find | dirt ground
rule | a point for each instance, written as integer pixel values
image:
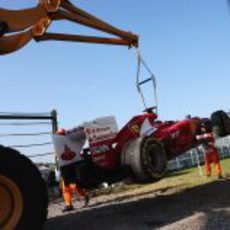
(205, 206)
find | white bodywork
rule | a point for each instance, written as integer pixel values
(100, 129)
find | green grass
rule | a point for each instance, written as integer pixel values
(172, 183)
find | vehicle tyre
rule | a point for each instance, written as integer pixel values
(24, 197)
(147, 158)
(220, 124)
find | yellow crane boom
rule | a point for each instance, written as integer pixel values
(19, 27)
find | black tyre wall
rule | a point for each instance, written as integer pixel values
(220, 123)
(27, 177)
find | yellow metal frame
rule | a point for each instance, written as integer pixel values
(32, 24)
(11, 204)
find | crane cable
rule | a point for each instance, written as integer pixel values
(41, 155)
(141, 62)
(30, 145)
(24, 123)
(24, 134)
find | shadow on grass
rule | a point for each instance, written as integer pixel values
(137, 196)
(152, 213)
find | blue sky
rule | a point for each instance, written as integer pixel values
(186, 44)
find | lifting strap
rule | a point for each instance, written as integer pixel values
(142, 64)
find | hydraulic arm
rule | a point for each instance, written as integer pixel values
(19, 27)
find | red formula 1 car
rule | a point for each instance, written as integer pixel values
(140, 149)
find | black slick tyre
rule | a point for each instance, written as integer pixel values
(220, 124)
(147, 158)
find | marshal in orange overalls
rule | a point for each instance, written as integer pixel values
(211, 153)
(69, 185)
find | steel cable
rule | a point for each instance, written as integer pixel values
(30, 145)
(25, 134)
(25, 124)
(140, 61)
(41, 155)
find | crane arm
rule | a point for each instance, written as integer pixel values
(83, 39)
(33, 23)
(14, 42)
(18, 20)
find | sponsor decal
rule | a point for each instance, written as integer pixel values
(101, 129)
(175, 134)
(135, 128)
(68, 154)
(100, 149)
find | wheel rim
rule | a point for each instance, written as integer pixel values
(11, 204)
(154, 156)
(155, 163)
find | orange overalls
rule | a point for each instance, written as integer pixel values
(66, 191)
(69, 185)
(211, 154)
(69, 177)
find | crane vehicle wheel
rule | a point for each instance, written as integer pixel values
(23, 193)
(147, 158)
(220, 124)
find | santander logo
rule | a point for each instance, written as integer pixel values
(68, 154)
